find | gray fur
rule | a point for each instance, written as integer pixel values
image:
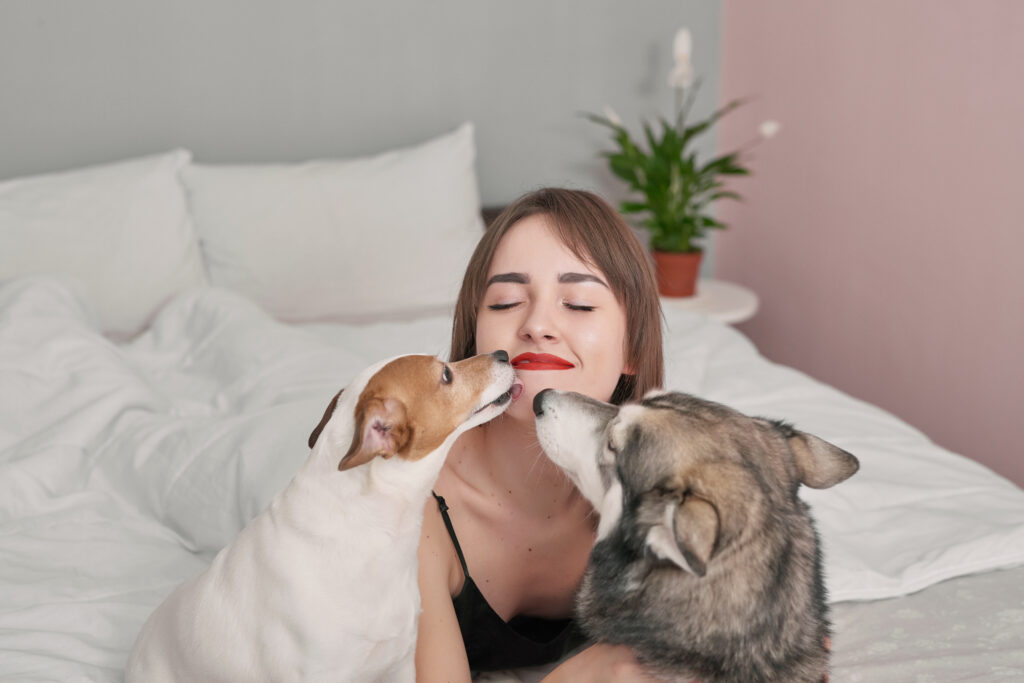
(741, 596)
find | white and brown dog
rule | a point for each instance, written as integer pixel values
(323, 584)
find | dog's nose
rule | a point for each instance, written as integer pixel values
(538, 402)
(502, 356)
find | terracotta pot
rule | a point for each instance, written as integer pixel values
(677, 272)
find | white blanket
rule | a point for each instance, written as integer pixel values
(123, 468)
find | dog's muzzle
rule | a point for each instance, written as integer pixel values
(501, 357)
(538, 402)
(500, 401)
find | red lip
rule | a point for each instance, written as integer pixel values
(540, 361)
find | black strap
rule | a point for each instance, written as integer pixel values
(443, 507)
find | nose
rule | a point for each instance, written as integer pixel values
(501, 356)
(538, 325)
(538, 402)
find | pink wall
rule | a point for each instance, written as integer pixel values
(884, 226)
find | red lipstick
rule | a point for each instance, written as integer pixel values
(540, 361)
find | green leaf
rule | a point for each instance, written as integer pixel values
(652, 142)
(727, 164)
(633, 207)
(623, 167)
(672, 187)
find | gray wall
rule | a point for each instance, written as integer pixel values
(260, 80)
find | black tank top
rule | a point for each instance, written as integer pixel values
(492, 643)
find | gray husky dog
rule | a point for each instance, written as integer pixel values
(706, 561)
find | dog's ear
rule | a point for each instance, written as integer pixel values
(686, 535)
(324, 420)
(819, 463)
(382, 429)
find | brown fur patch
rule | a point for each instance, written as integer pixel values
(432, 409)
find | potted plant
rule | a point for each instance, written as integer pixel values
(677, 190)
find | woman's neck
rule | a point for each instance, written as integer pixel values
(504, 458)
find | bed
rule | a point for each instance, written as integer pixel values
(171, 331)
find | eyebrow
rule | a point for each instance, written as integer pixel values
(565, 278)
(517, 278)
(581, 277)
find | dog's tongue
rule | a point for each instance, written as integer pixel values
(516, 390)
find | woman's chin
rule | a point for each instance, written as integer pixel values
(522, 408)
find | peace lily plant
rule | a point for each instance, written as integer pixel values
(677, 190)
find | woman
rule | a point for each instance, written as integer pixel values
(560, 282)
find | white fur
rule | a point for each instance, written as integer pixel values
(661, 539)
(321, 586)
(581, 463)
(610, 509)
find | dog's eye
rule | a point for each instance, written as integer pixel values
(611, 447)
(446, 375)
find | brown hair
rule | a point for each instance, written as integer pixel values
(597, 235)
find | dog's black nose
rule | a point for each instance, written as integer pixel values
(538, 402)
(502, 356)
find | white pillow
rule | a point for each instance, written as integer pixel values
(344, 239)
(121, 230)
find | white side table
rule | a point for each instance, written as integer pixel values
(723, 301)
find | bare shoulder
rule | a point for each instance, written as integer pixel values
(438, 562)
(440, 652)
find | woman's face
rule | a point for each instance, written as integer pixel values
(555, 315)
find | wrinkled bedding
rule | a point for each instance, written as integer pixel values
(125, 467)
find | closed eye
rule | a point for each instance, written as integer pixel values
(572, 307)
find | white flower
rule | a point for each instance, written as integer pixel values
(682, 47)
(682, 71)
(610, 114)
(768, 129)
(681, 76)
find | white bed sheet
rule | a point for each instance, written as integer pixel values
(965, 628)
(123, 468)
